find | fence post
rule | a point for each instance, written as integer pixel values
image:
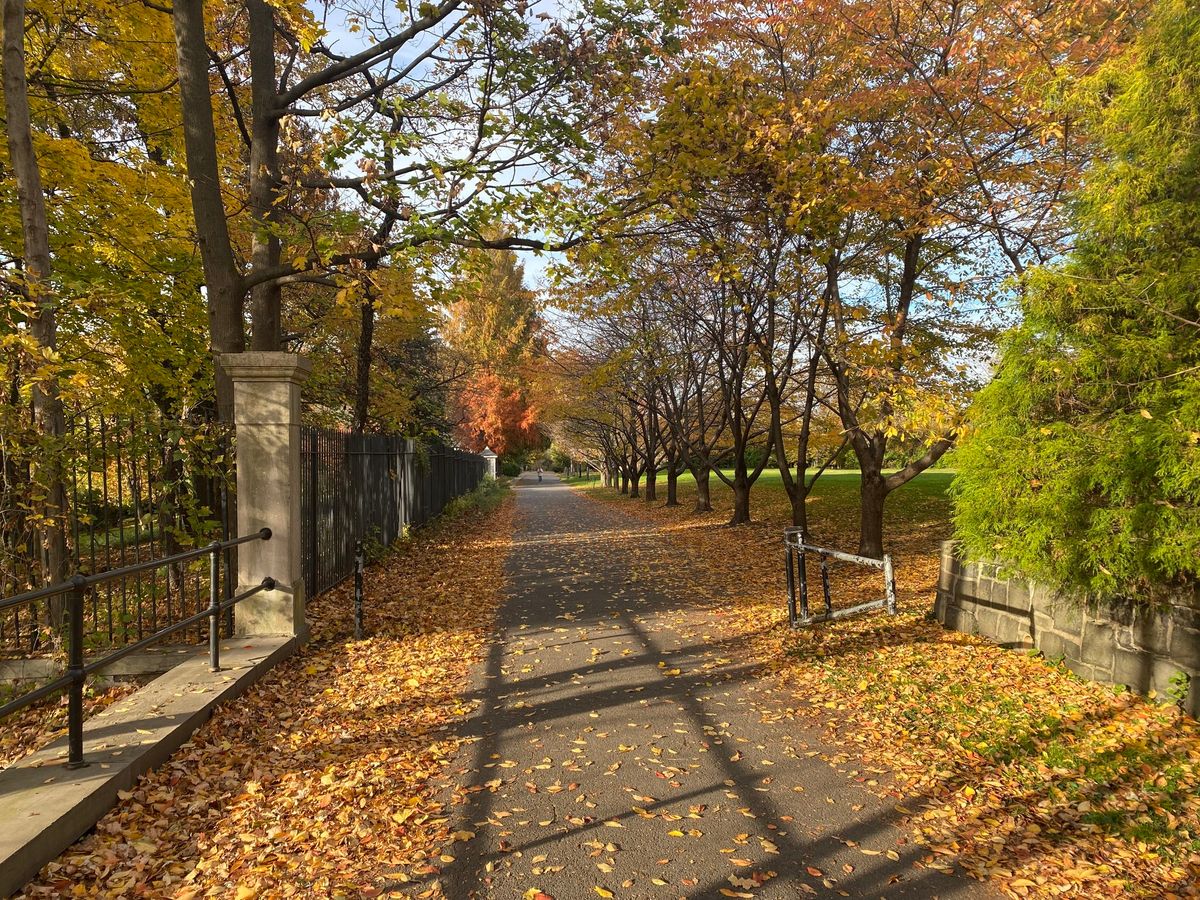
(358, 590)
(825, 584)
(75, 670)
(214, 607)
(266, 400)
(802, 572)
(889, 583)
(313, 449)
(790, 557)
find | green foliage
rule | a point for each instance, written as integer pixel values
(485, 498)
(494, 320)
(1181, 683)
(510, 468)
(755, 456)
(373, 548)
(1084, 466)
(559, 460)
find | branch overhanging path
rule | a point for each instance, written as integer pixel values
(622, 747)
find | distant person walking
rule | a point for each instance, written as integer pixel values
(539, 474)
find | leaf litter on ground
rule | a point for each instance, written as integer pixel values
(1004, 764)
(317, 781)
(35, 726)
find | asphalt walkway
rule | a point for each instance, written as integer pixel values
(622, 749)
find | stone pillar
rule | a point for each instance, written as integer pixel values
(489, 456)
(266, 414)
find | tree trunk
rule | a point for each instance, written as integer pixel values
(703, 490)
(225, 291)
(741, 501)
(265, 311)
(362, 379)
(672, 484)
(651, 485)
(624, 482)
(874, 493)
(47, 405)
(800, 508)
(634, 481)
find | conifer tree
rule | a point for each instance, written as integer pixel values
(1084, 466)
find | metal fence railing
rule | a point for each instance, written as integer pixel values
(76, 591)
(370, 487)
(138, 487)
(797, 549)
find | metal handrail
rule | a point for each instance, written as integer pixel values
(796, 545)
(77, 671)
(263, 534)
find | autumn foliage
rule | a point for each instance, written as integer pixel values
(496, 413)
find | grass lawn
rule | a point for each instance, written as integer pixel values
(916, 517)
(1004, 763)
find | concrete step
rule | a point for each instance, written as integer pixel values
(45, 807)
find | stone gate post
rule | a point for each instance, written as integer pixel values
(266, 415)
(489, 456)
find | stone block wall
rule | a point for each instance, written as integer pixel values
(1116, 642)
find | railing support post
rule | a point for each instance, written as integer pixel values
(825, 583)
(214, 607)
(358, 590)
(791, 584)
(889, 583)
(75, 670)
(802, 571)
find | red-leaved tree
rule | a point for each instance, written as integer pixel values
(498, 414)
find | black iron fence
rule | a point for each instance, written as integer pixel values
(77, 592)
(370, 487)
(138, 487)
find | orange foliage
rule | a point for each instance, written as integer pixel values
(497, 413)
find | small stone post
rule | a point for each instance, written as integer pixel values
(266, 415)
(490, 455)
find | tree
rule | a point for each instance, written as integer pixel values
(911, 147)
(497, 415)
(493, 317)
(496, 333)
(121, 292)
(41, 302)
(1083, 466)
(459, 116)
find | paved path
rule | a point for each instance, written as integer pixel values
(620, 745)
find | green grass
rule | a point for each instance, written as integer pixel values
(127, 534)
(934, 482)
(592, 479)
(922, 504)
